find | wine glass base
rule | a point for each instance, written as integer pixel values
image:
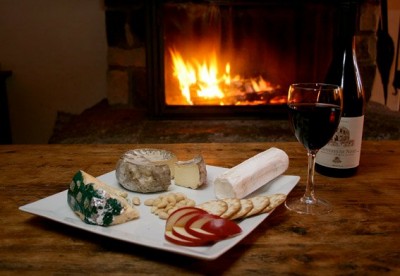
(315, 207)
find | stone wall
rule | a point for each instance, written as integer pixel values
(366, 42)
(126, 38)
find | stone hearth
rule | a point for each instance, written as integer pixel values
(105, 124)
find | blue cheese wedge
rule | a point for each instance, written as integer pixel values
(146, 170)
(191, 173)
(97, 203)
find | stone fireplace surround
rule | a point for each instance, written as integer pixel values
(127, 38)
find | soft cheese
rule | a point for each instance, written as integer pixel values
(97, 203)
(251, 174)
(191, 173)
(146, 170)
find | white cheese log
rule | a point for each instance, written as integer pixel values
(192, 173)
(146, 170)
(251, 174)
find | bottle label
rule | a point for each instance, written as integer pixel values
(343, 150)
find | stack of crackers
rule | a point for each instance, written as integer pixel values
(235, 208)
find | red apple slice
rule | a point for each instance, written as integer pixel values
(183, 219)
(204, 224)
(178, 213)
(170, 236)
(178, 229)
(195, 224)
(222, 227)
(181, 233)
(191, 226)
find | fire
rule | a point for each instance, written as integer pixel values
(202, 83)
(201, 77)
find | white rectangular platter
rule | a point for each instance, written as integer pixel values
(148, 230)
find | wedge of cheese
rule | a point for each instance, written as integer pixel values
(97, 203)
(146, 170)
(251, 174)
(192, 173)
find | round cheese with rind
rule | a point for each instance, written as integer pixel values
(146, 170)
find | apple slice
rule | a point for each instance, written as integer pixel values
(181, 233)
(176, 215)
(179, 229)
(206, 225)
(191, 226)
(222, 227)
(170, 236)
(195, 224)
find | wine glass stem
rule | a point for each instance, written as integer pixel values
(308, 196)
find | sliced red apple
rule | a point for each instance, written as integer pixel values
(183, 219)
(178, 229)
(181, 233)
(222, 227)
(178, 214)
(194, 226)
(191, 226)
(170, 236)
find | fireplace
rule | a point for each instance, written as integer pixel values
(218, 58)
(236, 57)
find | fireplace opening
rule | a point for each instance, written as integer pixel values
(235, 57)
(220, 55)
(281, 42)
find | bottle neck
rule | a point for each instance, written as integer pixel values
(347, 22)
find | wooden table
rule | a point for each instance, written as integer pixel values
(361, 235)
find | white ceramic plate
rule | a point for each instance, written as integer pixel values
(148, 230)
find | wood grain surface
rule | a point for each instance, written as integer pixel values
(361, 236)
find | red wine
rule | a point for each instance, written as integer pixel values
(341, 156)
(314, 123)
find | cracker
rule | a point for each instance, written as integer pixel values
(245, 206)
(275, 201)
(233, 207)
(214, 207)
(259, 204)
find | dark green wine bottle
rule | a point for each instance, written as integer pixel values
(341, 156)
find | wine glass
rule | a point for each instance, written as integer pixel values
(314, 114)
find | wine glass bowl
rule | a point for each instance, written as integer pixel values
(314, 115)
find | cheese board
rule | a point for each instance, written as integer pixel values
(148, 229)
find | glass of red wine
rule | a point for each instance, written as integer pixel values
(314, 114)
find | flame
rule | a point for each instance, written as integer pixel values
(185, 74)
(202, 77)
(201, 81)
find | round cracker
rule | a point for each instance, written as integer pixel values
(245, 206)
(233, 207)
(214, 207)
(275, 200)
(259, 204)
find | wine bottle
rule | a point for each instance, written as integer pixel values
(341, 156)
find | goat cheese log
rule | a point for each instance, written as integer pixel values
(146, 170)
(251, 174)
(97, 203)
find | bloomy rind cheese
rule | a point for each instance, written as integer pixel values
(97, 203)
(192, 173)
(251, 174)
(146, 170)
